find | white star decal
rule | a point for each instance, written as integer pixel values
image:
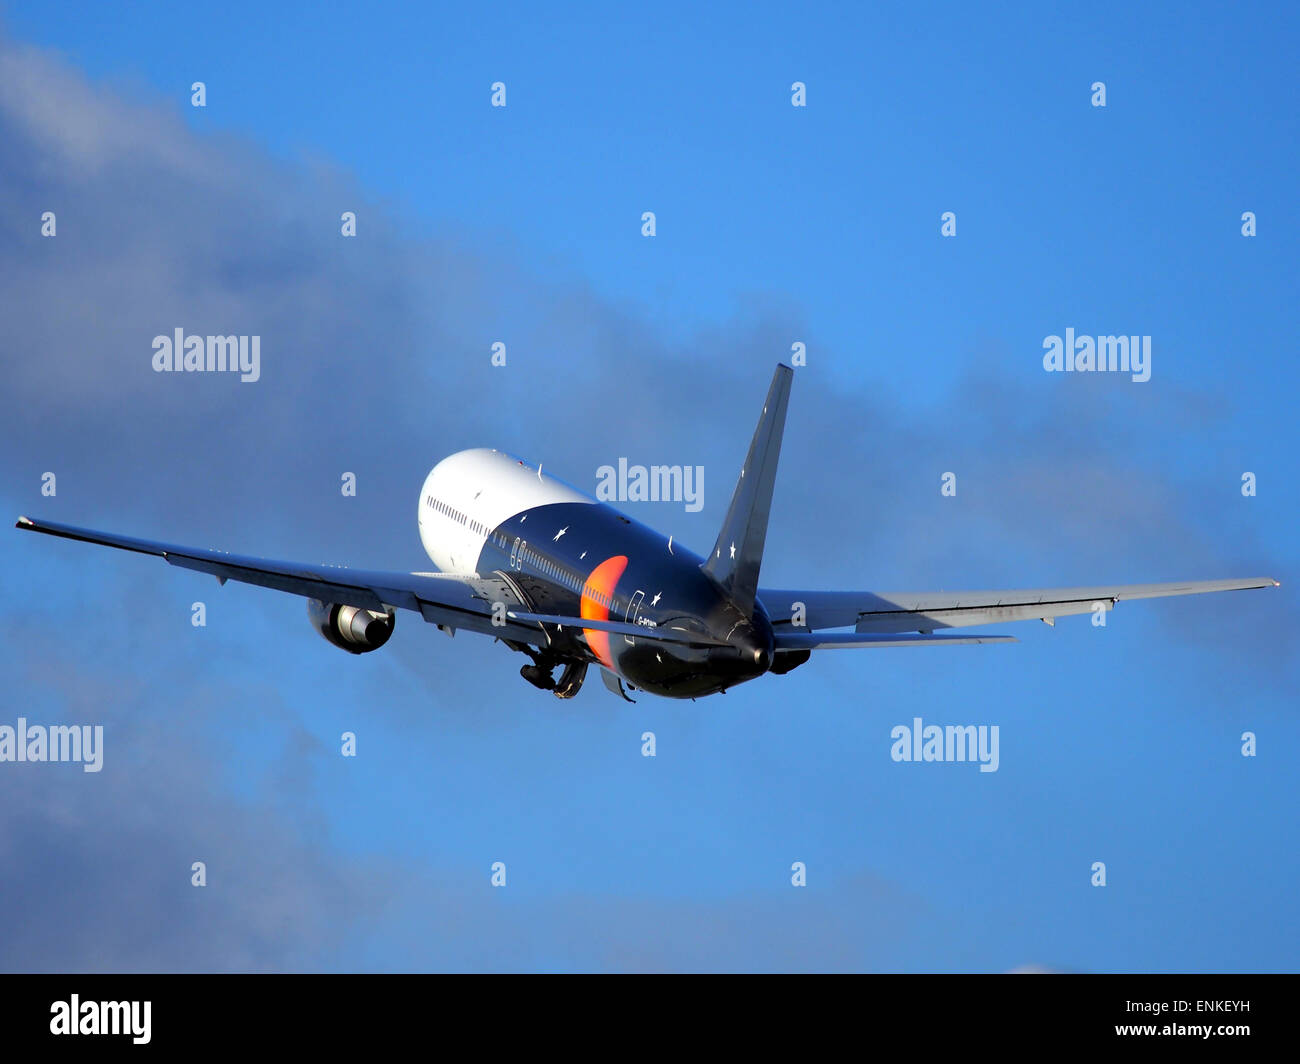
(655, 601)
(733, 550)
(560, 533)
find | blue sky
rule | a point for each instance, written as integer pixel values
(775, 224)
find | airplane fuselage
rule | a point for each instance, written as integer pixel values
(563, 552)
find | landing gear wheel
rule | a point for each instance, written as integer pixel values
(571, 679)
(538, 676)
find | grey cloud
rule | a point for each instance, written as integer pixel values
(375, 360)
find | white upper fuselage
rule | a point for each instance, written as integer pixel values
(468, 494)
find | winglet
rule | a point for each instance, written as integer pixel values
(738, 553)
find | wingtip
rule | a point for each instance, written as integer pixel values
(24, 522)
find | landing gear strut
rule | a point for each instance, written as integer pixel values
(539, 672)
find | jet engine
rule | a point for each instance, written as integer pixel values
(351, 628)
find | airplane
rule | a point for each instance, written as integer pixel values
(570, 582)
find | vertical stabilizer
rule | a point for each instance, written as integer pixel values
(737, 555)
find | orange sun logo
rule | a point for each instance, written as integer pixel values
(597, 596)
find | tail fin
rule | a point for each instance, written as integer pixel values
(738, 553)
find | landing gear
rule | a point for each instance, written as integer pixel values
(539, 674)
(571, 679)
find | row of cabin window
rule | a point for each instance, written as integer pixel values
(459, 517)
(551, 569)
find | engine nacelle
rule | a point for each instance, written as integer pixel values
(351, 628)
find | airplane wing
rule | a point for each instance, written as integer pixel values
(788, 640)
(925, 611)
(447, 600)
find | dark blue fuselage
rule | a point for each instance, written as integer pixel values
(566, 558)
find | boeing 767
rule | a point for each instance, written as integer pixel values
(570, 582)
